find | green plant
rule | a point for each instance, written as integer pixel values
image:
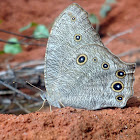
(40, 31)
(32, 24)
(13, 47)
(1, 21)
(106, 7)
(1, 52)
(93, 19)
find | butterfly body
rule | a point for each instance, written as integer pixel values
(79, 70)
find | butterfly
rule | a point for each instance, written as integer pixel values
(79, 70)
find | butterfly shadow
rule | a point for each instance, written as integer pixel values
(133, 102)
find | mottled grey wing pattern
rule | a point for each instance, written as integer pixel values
(79, 70)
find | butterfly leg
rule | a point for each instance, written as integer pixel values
(61, 104)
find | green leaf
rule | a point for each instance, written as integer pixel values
(1, 21)
(110, 1)
(12, 48)
(41, 31)
(104, 10)
(93, 19)
(1, 52)
(28, 26)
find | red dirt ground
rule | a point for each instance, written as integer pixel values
(69, 123)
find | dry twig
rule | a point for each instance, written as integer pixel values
(18, 91)
(25, 36)
(130, 52)
(21, 107)
(22, 43)
(120, 34)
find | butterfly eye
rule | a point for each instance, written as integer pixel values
(117, 86)
(105, 66)
(73, 18)
(81, 59)
(77, 37)
(95, 59)
(120, 73)
(119, 98)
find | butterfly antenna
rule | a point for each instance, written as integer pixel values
(35, 87)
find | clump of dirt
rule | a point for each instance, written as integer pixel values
(69, 123)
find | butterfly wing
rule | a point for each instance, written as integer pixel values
(79, 70)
